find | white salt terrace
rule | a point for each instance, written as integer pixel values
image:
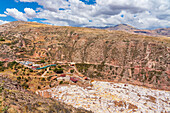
(105, 97)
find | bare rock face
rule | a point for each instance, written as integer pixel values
(100, 54)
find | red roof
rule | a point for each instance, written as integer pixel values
(74, 79)
(62, 75)
(34, 67)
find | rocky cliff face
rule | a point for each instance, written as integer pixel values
(102, 54)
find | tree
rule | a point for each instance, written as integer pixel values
(18, 78)
(26, 80)
(58, 70)
(61, 82)
(2, 39)
(26, 86)
(43, 79)
(1, 63)
(39, 87)
(59, 66)
(11, 64)
(72, 71)
(42, 61)
(31, 70)
(49, 78)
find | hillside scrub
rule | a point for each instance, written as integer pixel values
(15, 99)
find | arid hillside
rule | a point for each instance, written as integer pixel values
(15, 99)
(100, 54)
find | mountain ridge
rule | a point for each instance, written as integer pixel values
(159, 32)
(125, 27)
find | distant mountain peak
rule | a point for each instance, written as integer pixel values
(128, 28)
(122, 27)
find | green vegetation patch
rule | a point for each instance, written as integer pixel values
(11, 64)
(2, 68)
(58, 70)
(2, 39)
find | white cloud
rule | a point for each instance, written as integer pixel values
(3, 15)
(52, 5)
(16, 14)
(138, 13)
(3, 22)
(30, 13)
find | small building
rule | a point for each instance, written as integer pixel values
(29, 64)
(67, 78)
(60, 79)
(72, 64)
(74, 79)
(33, 67)
(63, 75)
(36, 65)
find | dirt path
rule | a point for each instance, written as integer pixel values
(45, 72)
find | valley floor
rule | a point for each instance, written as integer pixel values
(107, 97)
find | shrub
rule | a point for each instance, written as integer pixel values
(58, 70)
(61, 82)
(43, 79)
(26, 80)
(18, 78)
(72, 71)
(42, 61)
(26, 86)
(2, 68)
(50, 85)
(1, 63)
(1, 39)
(99, 75)
(11, 64)
(55, 70)
(48, 78)
(31, 70)
(1, 88)
(39, 87)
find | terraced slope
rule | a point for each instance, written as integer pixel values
(101, 54)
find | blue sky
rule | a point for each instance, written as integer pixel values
(144, 14)
(20, 6)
